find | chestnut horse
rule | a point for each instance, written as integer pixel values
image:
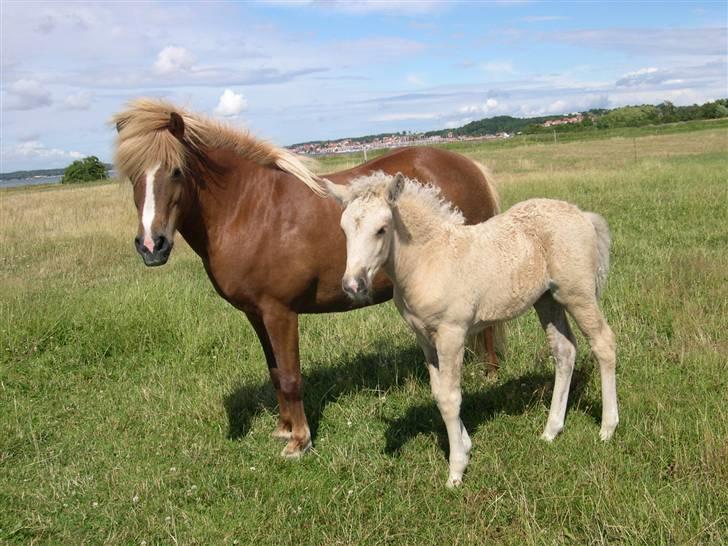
(254, 213)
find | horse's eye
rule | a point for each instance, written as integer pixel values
(177, 173)
(382, 230)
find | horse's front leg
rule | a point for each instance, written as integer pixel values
(283, 430)
(282, 326)
(450, 343)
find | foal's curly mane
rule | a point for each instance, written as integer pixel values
(427, 195)
(144, 140)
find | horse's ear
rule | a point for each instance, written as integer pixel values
(340, 193)
(119, 126)
(176, 125)
(395, 188)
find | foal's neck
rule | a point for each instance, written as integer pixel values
(415, 225)
(416, 222)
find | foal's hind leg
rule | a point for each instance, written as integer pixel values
(563, 347)
(591, 321)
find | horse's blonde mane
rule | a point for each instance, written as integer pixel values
(145, 140)
(414, 193)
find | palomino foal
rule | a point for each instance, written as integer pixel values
(452, 280)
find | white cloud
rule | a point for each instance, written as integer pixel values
(498, 67)
(27, 95)
(404, 7)
(415, 79)
(490, 106)
(375, 49)
(566, 105)
(78, 101)
(647, 41)
(174, 59)
(543, 18)
(641, 77)
(453, 123)
(406, 116)
(231, 104)
(33, 149)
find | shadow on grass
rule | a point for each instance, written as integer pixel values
(378, 370)
(514, 397)
(383, 369)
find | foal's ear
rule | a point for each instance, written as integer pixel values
(341, 194)
(394, 190)
(176, 125)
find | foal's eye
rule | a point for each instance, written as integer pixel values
(382, 230)
(177, 173)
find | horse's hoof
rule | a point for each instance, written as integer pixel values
(295, 451)
(548, 437)
(452, 483)
(282, 434)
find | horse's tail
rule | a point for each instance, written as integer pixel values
(604, 242)
(491, 185)
(480, 345)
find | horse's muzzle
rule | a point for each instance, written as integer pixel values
(158, 256)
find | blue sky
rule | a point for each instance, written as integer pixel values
(306, 70)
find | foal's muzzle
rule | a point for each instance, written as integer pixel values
(357, 288)
(158, 256)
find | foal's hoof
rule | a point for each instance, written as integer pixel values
(551, 432)
(294, 449)
(452, 483)
(606, 433)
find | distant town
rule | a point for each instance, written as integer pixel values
(348, 145)
(399, 140)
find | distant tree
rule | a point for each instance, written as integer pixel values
(629, 116)
(87, 169)
(667, 111)
(713, 110)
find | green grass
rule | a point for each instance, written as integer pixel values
(135, 405)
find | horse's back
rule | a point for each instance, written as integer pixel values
(461, 180)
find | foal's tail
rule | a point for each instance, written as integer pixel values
(604, 241)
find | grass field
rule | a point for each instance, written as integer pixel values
(135, 406)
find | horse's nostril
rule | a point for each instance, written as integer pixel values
(139, 245)
(161, 244)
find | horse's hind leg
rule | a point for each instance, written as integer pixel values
(591, 321)
(563, 347)
(450, 347)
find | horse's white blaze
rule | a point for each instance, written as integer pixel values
(148, 208)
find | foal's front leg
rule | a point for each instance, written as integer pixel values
(450, 343)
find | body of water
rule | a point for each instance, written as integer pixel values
(32, 181)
